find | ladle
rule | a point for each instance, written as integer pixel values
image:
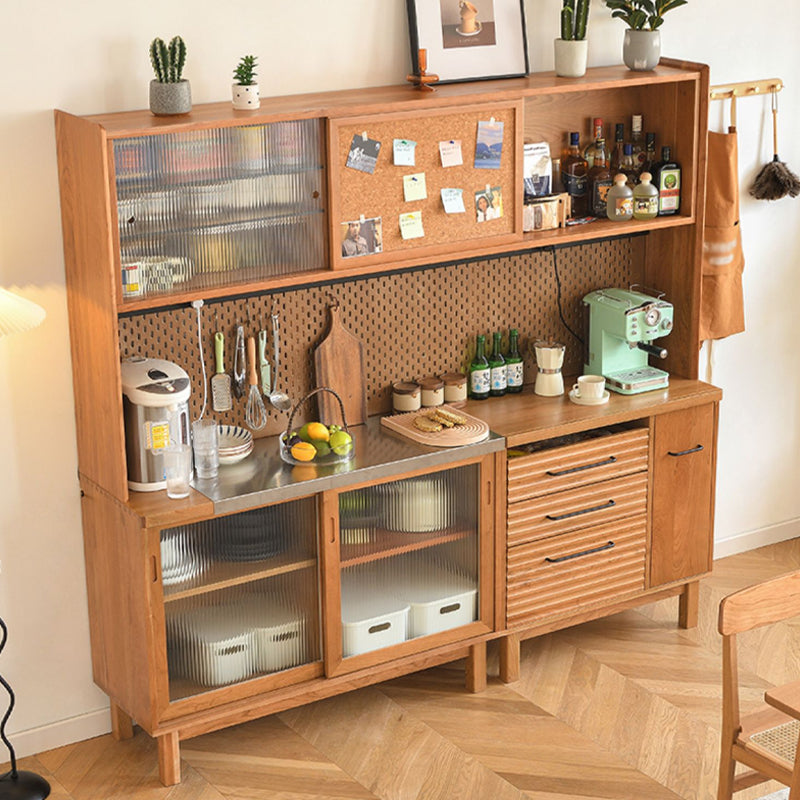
(279, 400)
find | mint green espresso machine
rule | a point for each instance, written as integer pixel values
(622, 325)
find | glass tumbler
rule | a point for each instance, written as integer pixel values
(205, 439)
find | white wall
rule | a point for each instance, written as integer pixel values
(92, 57)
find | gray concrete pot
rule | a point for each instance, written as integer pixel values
(570, 57)
(167, 99)
(641, 50)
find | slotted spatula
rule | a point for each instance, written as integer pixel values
(221, 382)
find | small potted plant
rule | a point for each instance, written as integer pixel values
(641, 48)
(169, 92)
(245, 88)
(571, 50)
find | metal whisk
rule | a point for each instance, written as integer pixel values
(255, 415)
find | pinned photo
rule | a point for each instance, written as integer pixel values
(363, 154)
(361, 237)
(489, 147)
(489, 204)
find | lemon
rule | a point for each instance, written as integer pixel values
(304, 451)
(341, 442)
(317, 432)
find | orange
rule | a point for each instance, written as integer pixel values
(303, 451)
(317, 432)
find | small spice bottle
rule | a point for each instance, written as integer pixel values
(432, 391)
(455, 387)
(406, 396)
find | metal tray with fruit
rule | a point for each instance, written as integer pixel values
(315, 443)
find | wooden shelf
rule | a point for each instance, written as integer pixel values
(392, 543)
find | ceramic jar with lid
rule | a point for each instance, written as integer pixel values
(432, 391)
(455, 387)
(406, 396)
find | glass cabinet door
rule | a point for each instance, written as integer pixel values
(240, 596)
(210, 208)
(409, 555)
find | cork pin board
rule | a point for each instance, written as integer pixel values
(363, 196)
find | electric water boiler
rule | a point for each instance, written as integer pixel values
(155, 401)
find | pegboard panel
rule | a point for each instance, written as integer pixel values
(415, 323)
(380, 194)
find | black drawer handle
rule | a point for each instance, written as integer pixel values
(559, 473)
(685, 452)
(609, 504)
(582, 553)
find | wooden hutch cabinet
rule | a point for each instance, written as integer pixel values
(277, 585)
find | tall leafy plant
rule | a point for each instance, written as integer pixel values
(574, 19)
(638, 13)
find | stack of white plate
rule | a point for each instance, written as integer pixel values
(235, 443)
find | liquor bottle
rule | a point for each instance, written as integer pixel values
(591, 148)
(479, 383)
(619, 145)
(667, 179)
(628, 167)
(619, 200)
(497, 365)
(645, 198)
(649, 154)
(575, 178)
(557, 186)
(513, 363)
(600, 180)
(637, 140)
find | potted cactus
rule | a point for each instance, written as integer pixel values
(169, 92)
(245, 88)
(641, 48)
(571, 50)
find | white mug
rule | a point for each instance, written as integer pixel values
(590, 387)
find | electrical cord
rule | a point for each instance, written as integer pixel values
(197, 305)
(558, 297)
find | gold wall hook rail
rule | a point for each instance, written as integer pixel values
(726, 91)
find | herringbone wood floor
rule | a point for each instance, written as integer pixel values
(625, 708)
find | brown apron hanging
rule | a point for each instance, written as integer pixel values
(721, 298)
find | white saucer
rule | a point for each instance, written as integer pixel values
(585, 401)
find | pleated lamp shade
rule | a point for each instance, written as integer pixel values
(18, 314)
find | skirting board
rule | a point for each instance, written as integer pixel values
(751, 540)
(60, 733)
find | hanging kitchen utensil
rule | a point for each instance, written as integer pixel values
(279, 400)
(221, 382)
(239, 363)
(255, 414)
(266, 378)
(775, 180)
(339, 361)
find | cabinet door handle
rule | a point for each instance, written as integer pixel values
(552, 518)
(600, 549)
(685, 452)
(558, 473)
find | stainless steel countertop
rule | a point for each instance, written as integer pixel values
(263, 477)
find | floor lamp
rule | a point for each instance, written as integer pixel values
(16, 315)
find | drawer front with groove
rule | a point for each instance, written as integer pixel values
(561, 468)
(578, 508)
(562, 574)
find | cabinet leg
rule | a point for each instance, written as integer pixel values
(476, 668)
(688, 605)
(169, 759)
(509, 658)
(121, 723)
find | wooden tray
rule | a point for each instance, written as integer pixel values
(475, 430)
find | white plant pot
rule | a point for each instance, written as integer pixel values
(246, 97)
(570, 57)
(641, 50)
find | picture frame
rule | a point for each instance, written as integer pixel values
(469, 40)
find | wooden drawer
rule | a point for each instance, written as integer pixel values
(564, 573)
(557, 513)
(560, 468)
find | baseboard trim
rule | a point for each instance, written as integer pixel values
(65, 731)
(743, 542)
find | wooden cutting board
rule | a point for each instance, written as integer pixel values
(339, 363)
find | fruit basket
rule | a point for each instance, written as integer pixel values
(330, 444)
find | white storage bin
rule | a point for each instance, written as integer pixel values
(371, 621)
(278, 635)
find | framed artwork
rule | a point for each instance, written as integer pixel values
(469, 40)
